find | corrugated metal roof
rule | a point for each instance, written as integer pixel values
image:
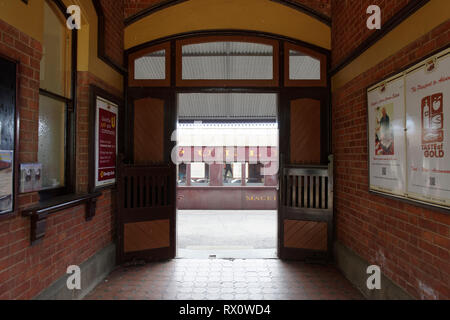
(222, 106)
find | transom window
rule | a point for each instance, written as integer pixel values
(304, 67)
(228, 61)
(151, 66)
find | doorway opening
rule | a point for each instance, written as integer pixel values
(227, 175)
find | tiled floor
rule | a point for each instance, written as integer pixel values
(216, 279)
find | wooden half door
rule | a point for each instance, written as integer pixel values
(146, 186)
(305, 196)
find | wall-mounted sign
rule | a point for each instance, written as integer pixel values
(106, 139)
(409, 142)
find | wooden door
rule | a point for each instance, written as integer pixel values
(305, 218)
(146, 186)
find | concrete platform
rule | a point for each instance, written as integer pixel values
(244, 234)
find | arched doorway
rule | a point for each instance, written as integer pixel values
(160, 71)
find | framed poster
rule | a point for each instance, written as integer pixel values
(103, 139)
(408, 133)
(386, 136)
(8, 136)
(428, 123)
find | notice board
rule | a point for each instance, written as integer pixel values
(408, 133)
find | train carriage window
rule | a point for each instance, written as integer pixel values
(199, 173)
(232, 173)
(255, 175)
(182, 174)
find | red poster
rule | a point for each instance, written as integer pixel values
(107, 138)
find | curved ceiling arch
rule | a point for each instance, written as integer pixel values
(255, 15)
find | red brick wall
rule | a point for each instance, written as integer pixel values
(27, 270)
(349, 23)
(409, 243)
(113, 11)
(134, 6)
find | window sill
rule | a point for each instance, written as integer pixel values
(40, 212)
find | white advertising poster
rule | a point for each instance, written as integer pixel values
(106, 137)
(386, 117)
(428, 123)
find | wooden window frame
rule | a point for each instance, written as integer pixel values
(132, 82)
(304, 83)
(180, 82)
(70, 120)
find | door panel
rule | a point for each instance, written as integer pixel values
(148, 130)
(305, 131)
(310, 235)
(140, 236)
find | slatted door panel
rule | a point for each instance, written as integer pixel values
(146, 212)
(306, 212)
